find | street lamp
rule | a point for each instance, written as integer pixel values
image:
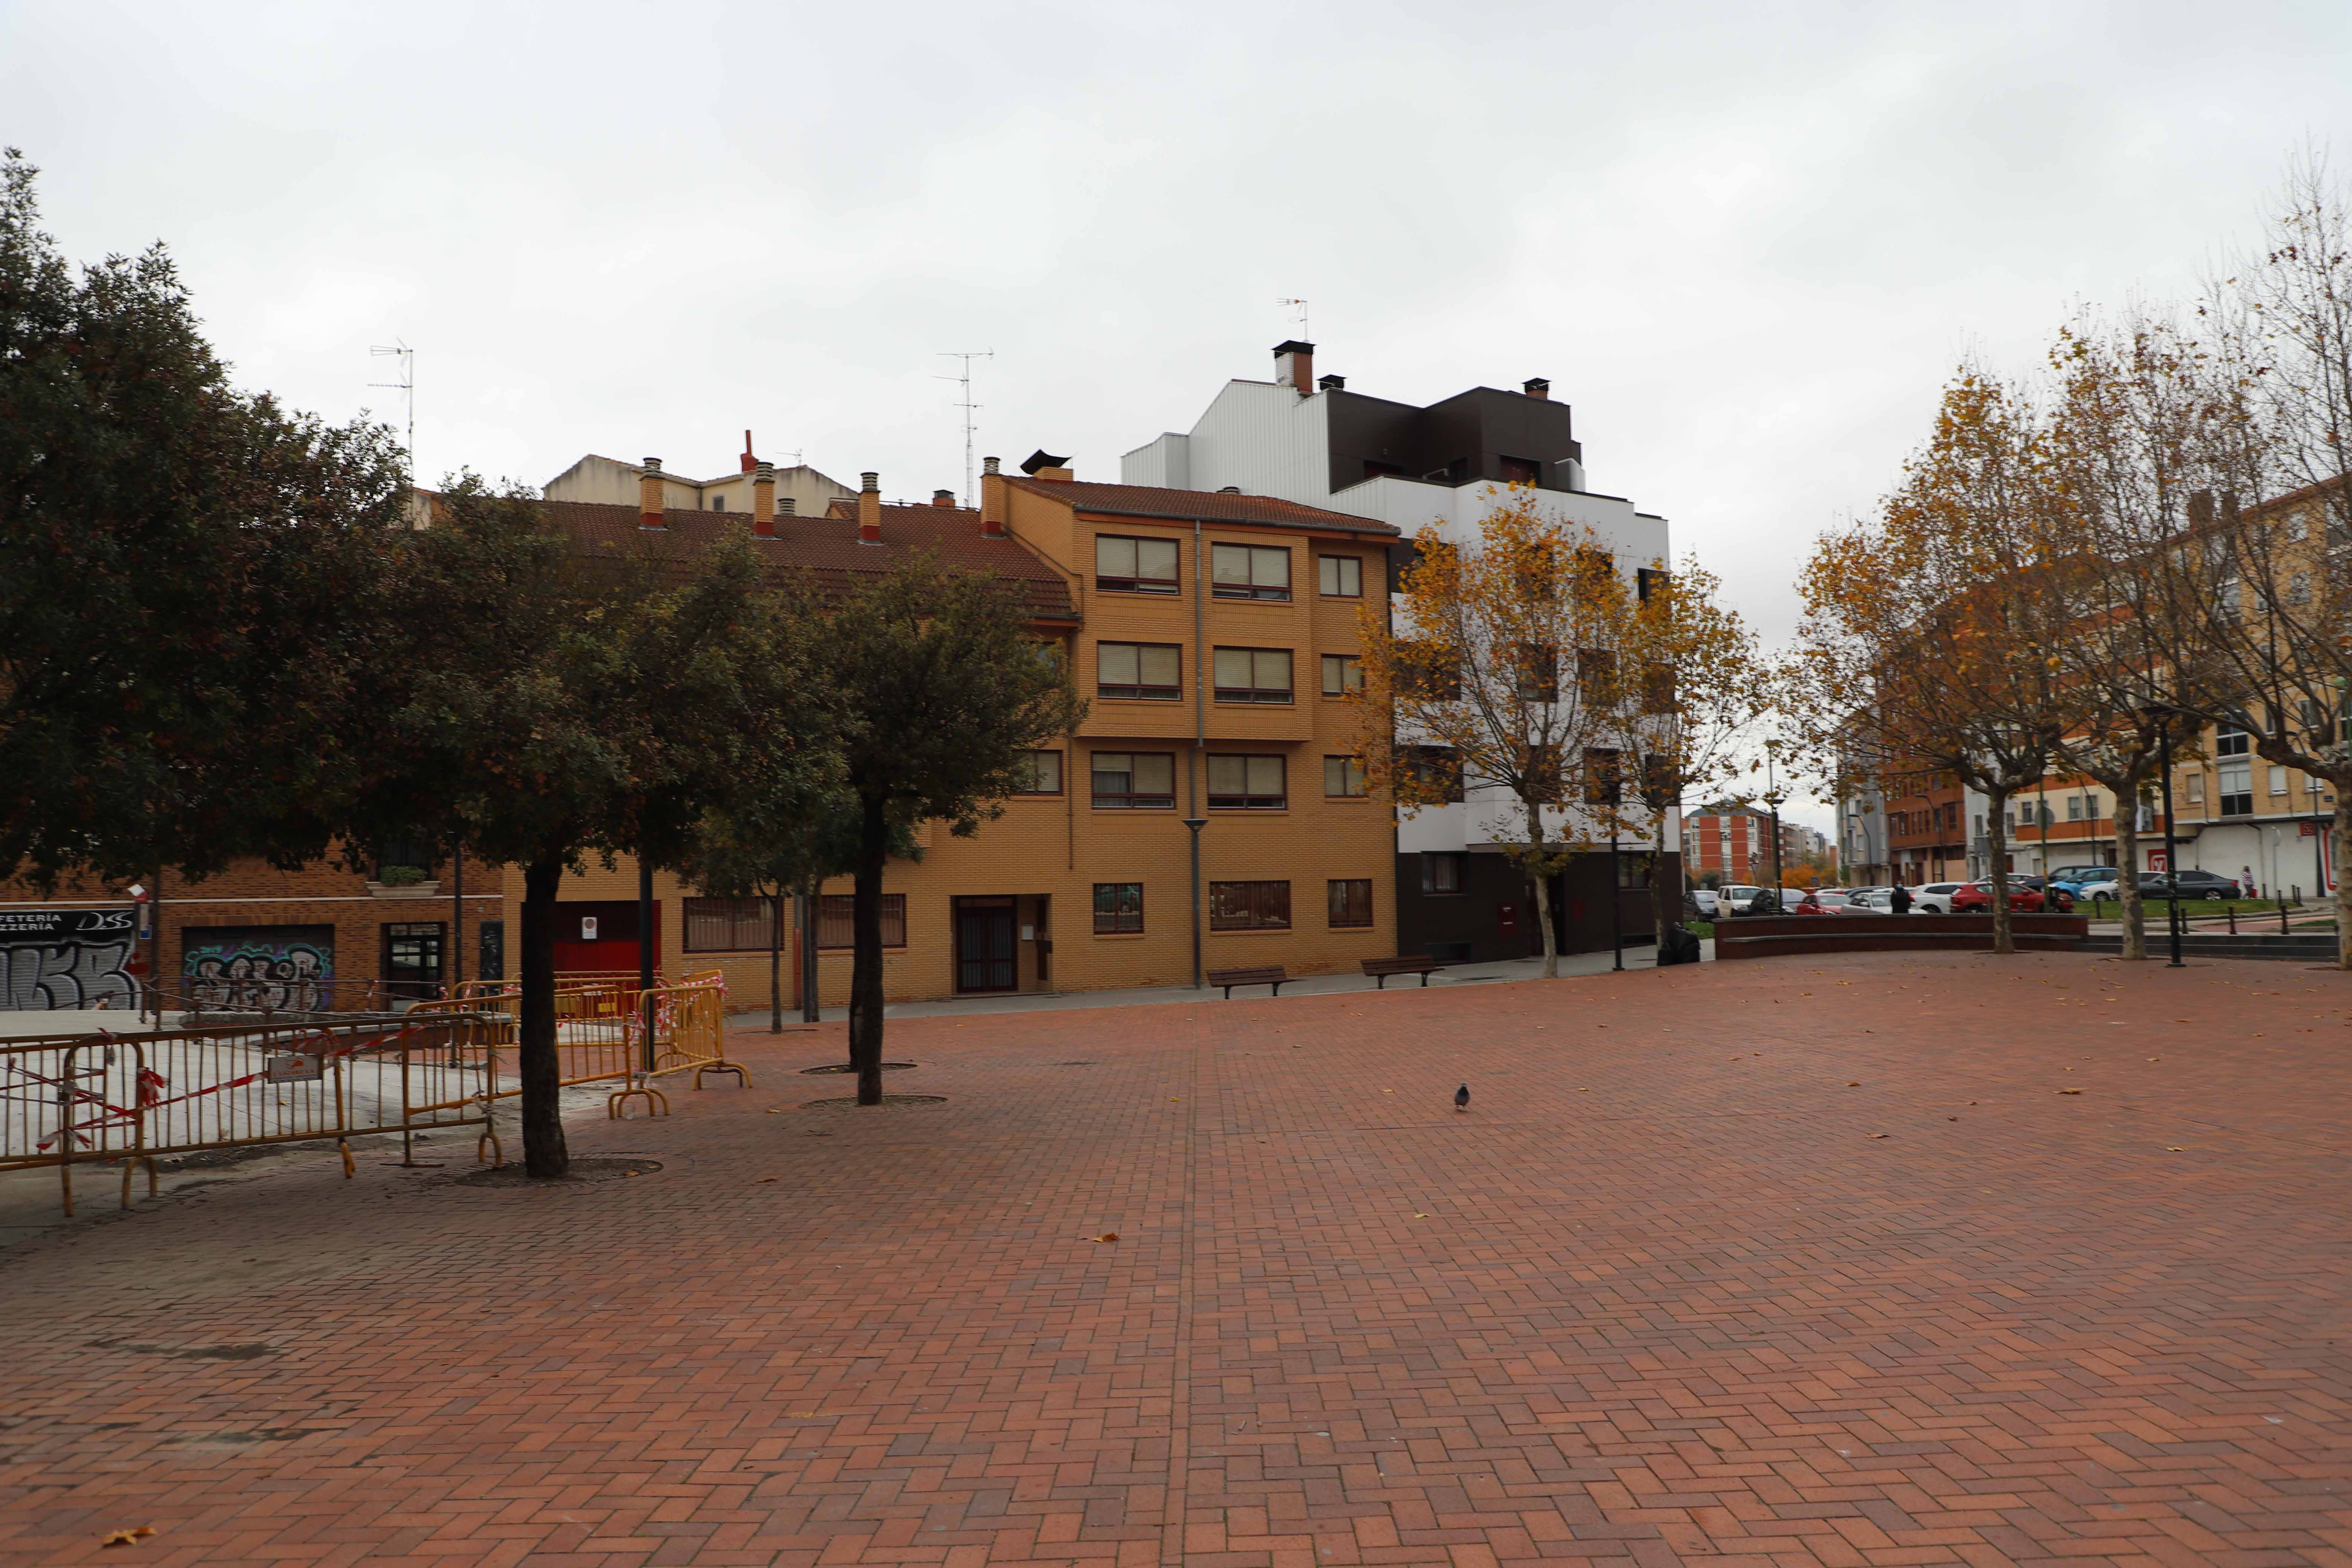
(2171, 879)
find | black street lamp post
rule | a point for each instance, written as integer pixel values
(2171, 880)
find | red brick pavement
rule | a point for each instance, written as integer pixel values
(1660, 1295)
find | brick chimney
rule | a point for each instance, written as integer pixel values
(1538, 387)
(943, 498)
(750, 463)
(991, 498)
(1293, 366)
(764, 499)
(869, 509)
(649, 496)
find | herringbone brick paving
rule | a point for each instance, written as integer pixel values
(1660, 1295)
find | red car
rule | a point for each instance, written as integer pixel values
(1975, 898)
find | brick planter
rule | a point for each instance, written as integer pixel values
(1766, 936)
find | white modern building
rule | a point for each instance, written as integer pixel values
(1305, 438)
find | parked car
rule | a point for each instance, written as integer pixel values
(2104, 887)
(1873, 900)
(2192, 884)
(1851, 900)
(1934, 898)
(1975, 898)
(1704, 901)
(2060, 900)
(2074, 878)
(1737, 899)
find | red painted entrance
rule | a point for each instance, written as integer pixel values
(601, 938)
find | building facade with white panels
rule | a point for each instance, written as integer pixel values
(1309, 440)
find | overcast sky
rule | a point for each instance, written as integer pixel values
(1746, 242)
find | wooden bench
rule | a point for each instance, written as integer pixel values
(1419, 964)
(1272, 975)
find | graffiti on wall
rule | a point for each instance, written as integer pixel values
(52, 959)
(249, 968)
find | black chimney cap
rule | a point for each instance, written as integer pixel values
(1332, 382)
(1293, 346)
(1535, 384)
(1042, 458)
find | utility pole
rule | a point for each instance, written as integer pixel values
(2171, 880)
(406, 387)
(963, 381)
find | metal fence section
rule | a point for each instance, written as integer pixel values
(136, 1098)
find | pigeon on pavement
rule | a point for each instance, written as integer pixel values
(1462, 1098)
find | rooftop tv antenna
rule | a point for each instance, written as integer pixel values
(1299, 305)
(964, 381)
(406, 387)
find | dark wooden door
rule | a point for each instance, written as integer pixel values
(984, 945)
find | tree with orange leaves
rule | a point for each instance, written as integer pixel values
(1932, 634)
(1492, 680)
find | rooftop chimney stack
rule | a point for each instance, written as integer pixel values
(1293, 366)
(788, 507)
(763, 500)
(869, 509)
(1538, 387)
(1332, 382)
(750, 462)
(991, 498)
(649, 495)
(943, 498)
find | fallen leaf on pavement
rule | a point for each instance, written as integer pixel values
(127, 1537)
(1421, 1217)
(767, 1178)
(1878, 1135)
(1107, 1235)
(2174, 1149)
(2069, 1091)
(1855, 1084)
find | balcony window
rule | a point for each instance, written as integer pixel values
(1248, 783)
(2237, 789)
(1249, 572)
(1125, 565)
(1254, 675)
(1148, 671)
(1136, 781)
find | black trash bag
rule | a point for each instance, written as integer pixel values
(1681, 946)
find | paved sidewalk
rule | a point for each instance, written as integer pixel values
(1907, 1259)
(1570, 964)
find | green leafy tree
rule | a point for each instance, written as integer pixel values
(180, 565)
(541, 703)
(944, 689)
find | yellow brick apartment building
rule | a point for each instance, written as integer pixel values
(1214, 636)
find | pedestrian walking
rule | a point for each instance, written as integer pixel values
(1900, 899)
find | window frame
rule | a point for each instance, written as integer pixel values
(1059, 773)
(1153, 800)
(1155, 587)
(1252, 591)
(1258, 898)
(1458, 860)
(838, 912)
(693, 933)
(1250, 798)
(1339, 564)
(1125, 921)
(1351, 772)
(1139, 690)
(1337, 905)
(1351, 672)
(1254, 694)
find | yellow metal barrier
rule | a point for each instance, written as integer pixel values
(688, 1026)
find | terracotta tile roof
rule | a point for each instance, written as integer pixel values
(1208, 506)
(826, 546)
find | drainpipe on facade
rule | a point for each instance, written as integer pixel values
(1194, 821)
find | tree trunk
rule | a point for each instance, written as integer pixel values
(776, 963)
(866, 965)
(2127, 876)
(1996, 868)
(1543, 892)
(543, 1150)
(2339, 833)
(1661, 918)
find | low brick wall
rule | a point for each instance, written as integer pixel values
(1768, 936)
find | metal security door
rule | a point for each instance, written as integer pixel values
(984, 945)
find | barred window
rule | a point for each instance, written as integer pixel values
(1249, 906)
(1351, 903)
(836, 912)
(1119, 908)
(729, 925)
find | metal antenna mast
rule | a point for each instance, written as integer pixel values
(1299, 305)
(967, 405)
(406, 387)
